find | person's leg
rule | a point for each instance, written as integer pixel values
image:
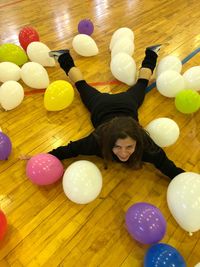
(137, 91)
(88, 93)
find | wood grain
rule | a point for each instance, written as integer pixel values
(45, 228)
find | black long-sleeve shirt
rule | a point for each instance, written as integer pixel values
(89, 146)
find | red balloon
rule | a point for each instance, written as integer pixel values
(3, 225)
(28, 35)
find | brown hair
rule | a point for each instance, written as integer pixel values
(119, 128)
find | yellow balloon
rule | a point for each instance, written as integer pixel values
(58, 95)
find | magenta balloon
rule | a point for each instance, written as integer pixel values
(44, 169)
(5, 146)
(145, 223)
(85, 26)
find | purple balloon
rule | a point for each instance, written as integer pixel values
(145, 223)
(5, 146)
(85, 26)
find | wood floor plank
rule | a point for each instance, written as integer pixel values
(44, 227)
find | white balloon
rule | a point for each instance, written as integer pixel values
(169, 63)
(125, 45)
(39, 52)
(84, 45)
(11, 95)
(123, 68)
(192, 77)
(120, 33)
(163, 131)
(9, 72)
(82, 182)
(197, 265)
(183, 200)
(169, 83)
(34, 75)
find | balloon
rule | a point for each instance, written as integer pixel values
(86, 26)
(197, 265)
(39, 52)
(44, 169)
(11, 95)
(5, 146)
(170, 82)
(123, 68)
(187, 101)
(9, 72)
(120, 33)
(183, 200)
(145, 223)
(58, 95)
(163, 255)
(3, 225)
(34, 75)
(13, 53)
(125, 45)
(169, 63)
(163, 131)
(84, 45)
(28, 35)
(82, 182)
(192, 77)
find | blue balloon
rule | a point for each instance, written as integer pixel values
(163, 255)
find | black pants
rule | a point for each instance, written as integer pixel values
(103, 106)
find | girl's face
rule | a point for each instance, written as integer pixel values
(124, 148)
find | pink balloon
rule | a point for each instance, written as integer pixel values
(44, 169)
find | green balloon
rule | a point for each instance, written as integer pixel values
(187, 101)
(13, 53)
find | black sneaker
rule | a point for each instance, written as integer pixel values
(154, 48)
(55, 54)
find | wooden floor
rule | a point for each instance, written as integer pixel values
(45, 228)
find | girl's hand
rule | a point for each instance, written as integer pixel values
(24, 157)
